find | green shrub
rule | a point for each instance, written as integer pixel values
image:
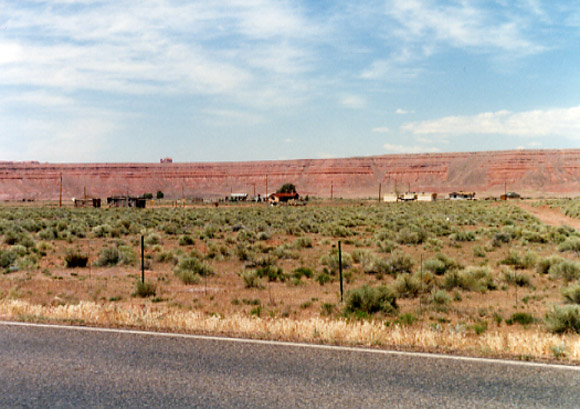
(189, 269)
(564, 319)
(500, 238)
(480, 327)
(479, 251)
(544, 265)
(567, 269)
(76, 259)
(440, 297)
(371, 263)
(116, 255)
(371, 300)
(146, 289)
(572, 294)
(435, 266)
(571, 244)
(407, 286)
(516, 278)
(332, 262)
(522, 318)
(399, 262)
(327, 308)
(302, 243)
(166, 257)
(152, 238)
(186, 240)
(471, 279)
(303, 271)
(387, 246)
(407, 319)
(323, 277)
(273, 273)
(463, 236)
(520, 261)
(409, 237)
(7, 258)
(251, 279)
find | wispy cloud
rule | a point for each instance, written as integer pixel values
(401, 111)
(381, 129)
(461, 24)
(225, 117)
(353, 101)
(553, 122)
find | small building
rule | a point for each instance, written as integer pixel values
(390, 197)
(426, 197)
(238, 197)
(87, 202)
(127, 201)
(462, 195)
(166, 160)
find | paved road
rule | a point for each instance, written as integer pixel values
(42, 367)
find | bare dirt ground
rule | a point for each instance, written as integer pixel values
(550, 216)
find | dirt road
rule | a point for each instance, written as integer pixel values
(550, 216)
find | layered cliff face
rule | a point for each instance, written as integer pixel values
(536, 173)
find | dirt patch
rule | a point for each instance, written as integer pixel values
(549, 215)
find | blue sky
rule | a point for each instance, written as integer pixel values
(235, 80)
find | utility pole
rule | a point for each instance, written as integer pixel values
(266, 185)
(60, 194)
(380, 185)
(331, 190)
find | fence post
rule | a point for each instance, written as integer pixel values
(340, 270)
(142, 259)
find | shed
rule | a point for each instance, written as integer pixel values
(87, 202)
(127, 201)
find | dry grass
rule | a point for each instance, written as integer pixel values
(526, 344)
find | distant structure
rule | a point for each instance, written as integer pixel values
(410, 197)
(126, 201)
(462, 195)
(275, 198)
(238, 197)
(510, 195)
(166, 160)
(87, 202)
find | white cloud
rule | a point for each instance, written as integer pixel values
(392, 148)
(226, 117)
(401, 111)
(10, 53)
(288, 140)
(381, 129)
(74, 140)
(159, 47)
(460, 25)
(353, 101)
(562, 122)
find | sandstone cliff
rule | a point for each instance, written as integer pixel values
(530, 172)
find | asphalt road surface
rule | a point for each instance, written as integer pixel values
(53, 367)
